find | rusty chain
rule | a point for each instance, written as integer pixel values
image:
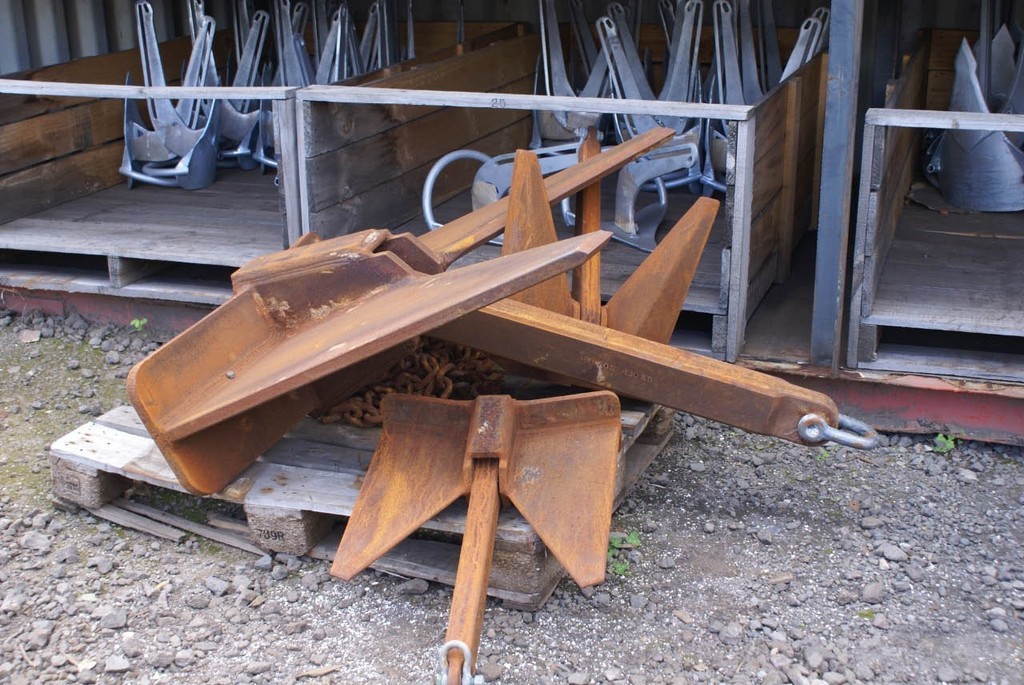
(435, 368)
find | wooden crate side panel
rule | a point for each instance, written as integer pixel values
(944, 46)
(808, 145)
(398, 200)
(889, 199)
(652, 39)
(907, 91)
(940, 89)
(104, 69)
(56, 134)
(891, 178)
(356, 168)
(44, 185)
(439, 45)
(872, 149)
(440, 35)
(402, 67)
(767, 210)
(332, 125)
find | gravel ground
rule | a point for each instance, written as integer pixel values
(755, 561)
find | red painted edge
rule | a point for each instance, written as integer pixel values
(165, 317)
(973, 410)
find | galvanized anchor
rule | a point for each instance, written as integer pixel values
(181, 149)
(553, 459)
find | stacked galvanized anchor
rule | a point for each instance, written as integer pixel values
(746, 64)
(308, 325)
(186, 141)
(983, 170)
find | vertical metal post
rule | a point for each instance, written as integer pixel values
(836, 178)
(14, 55)
(87, 28)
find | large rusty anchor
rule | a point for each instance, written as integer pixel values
(554, 459)
(309, 325)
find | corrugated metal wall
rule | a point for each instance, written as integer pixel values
(37, 33)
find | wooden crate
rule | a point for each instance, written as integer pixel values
(933, 292)
(367, 152)
(295, 496)
(56, 149)
(68, 221)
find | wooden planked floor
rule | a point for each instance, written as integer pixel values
(779, 330)
(227, 224)
(956, 272)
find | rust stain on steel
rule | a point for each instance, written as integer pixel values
(554, 459)
(596, 356)
(210, 425)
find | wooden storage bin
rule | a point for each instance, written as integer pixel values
(56, 149)
(933, 292)
(68, 221)
(365, 158)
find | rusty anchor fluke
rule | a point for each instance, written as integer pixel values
(553, 459)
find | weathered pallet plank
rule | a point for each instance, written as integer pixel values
(923, 359)
(38, 187)
(240, 212)
(77, 280)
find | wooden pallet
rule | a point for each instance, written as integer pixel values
(294, 496)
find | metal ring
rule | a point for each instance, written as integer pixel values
(467, 659)
(813, 429)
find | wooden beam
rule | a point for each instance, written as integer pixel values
(553, 103)
(922, 118)
(129, 92)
